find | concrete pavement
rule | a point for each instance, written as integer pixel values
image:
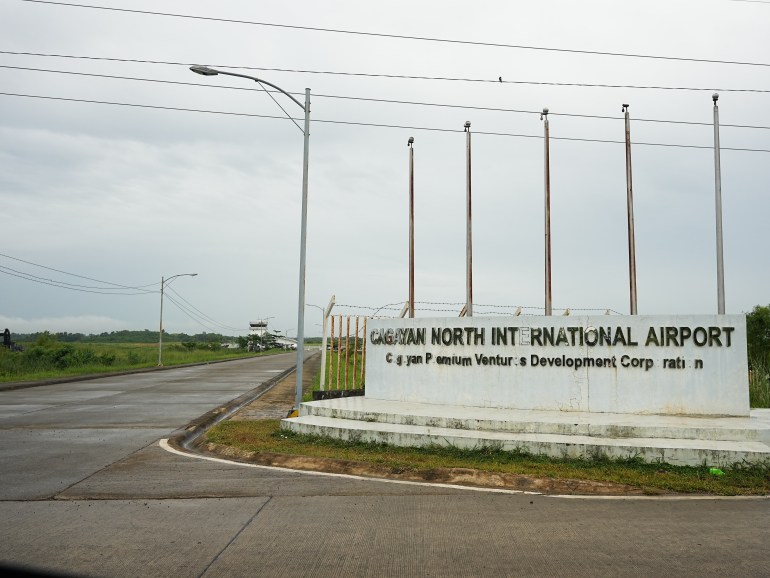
(119, 505)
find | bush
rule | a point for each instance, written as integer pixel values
(758, 334)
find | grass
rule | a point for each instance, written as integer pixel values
(759, 382)
(354, 377)
(74, 359)
(266, 436)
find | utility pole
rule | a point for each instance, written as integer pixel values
(547, 163)
(630, 205)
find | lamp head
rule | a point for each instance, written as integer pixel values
(204, 70)
(715, 97)
(410, 142)
(467, 125)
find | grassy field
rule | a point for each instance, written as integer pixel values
(265, 436)
(52, 360)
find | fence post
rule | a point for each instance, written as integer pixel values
(327, 311)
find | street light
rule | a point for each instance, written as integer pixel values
(206, 71)
(325, 315)
(321, 309)
(163, 283)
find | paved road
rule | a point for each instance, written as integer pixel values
(85, 489)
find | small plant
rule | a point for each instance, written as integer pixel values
(759, 382)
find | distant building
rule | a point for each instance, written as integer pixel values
(286, 342)
(258, 328)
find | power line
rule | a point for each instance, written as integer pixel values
(186, 312)
(27, 277)
(209, 318)
(380, 100)
(498, 80)
(64, 284)
(78, 276)
(402, 36)
(376, 125)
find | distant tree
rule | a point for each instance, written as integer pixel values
(45, 339)
(758, 332)
(269, 340)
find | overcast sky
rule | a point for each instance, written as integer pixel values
(127, 195)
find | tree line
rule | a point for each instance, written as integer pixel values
(124, 336)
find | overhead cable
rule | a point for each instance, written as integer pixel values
(376, 125)
(498, 80)
(403, 36)
(378, 100)
(80, 276)
(204, 316)
(52, 283)
(189, 314)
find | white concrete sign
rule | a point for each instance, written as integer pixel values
(675, 365)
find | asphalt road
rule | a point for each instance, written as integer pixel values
(86, 489)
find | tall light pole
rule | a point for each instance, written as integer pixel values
(630, 211)
(410, 142)
(468, 226)
(206, 71)
(718, 195)
(163, 283)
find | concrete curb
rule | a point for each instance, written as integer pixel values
(185, 439)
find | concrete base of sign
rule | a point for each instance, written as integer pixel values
(679, 440)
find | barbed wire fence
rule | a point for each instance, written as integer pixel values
(455, 307)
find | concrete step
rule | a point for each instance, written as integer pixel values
(651, 449)
(600, 425)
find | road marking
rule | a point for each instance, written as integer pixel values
(164, 444)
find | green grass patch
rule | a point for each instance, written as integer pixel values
(51, 359)
(335, 360)
(266, 436)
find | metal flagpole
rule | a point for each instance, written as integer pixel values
(630, 204)
(469, 228)
(718, 195)
(410, 144)
(544, 118)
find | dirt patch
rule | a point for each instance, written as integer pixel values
(455, 476)
(276, 403)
